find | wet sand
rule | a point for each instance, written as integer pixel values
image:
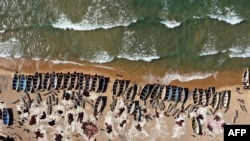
(150, 129)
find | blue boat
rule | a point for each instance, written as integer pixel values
(170, 92)
(176, 97)
(23, 83)
(6, 116)
(15, 82)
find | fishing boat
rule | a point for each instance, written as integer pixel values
(53, 81)
(103, 84)
(183, 93)
(88, 82)
(225, 98)
(209, 93)
(59, 80)
(131, 92)
(116, 87)
(6, 116)
(66, 81)
(155, 91)
(169, 92)
(80, 81)
(163, 93)
(99, 104)
(95, 84)
(216, 100)
(23, 83)
(36, 81)
(29, 84)
(15, 82)
(203, 97)
(176, 96)
(196, 96)
(73, 83)
(196, 126)
(145, 92)
(137, 114)
(132, 106)
(245, 78)
(46, 81)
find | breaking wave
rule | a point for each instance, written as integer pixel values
(100, 15)
(135, 48)
(171, 24)
(239, 52)
(209, 47)
(227, 14)
(101, 57)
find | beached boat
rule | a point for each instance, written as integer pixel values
(103, 84)
(131, 92)
(36, 81)
(46, 81)
(163, 93)
(29, 85)
(95, 84)
(196, 96)
(225, 98)
(88, 82)
(137, 114)
(73, 82)
(156, 91)
(169, 92)
(123, 86)
(116, 87)
(196, 126)
(6, 116)
(176, 95)
(80, 81)
(216, 100)
(203, 97)
(209, 93)
(23, 83)
(145, 92)
(59, 80)
(183, 93)
(66, 81)
(53, 81)
(132, 106)
(15, 82)
(245, 78)
(99, 104)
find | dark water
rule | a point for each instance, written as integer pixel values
(148, 37)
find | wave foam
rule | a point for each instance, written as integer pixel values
(10, 48)
(227, 15)
(100, 15)
(169, 77)
(171, 24)
(209, 47)
(64, 23)
(135, 49)
(101, 57)
(239, 52)
(65, 62)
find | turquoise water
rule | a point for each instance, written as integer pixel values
(148, 37)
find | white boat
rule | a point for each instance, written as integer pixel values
(245, 78)
(132, 106)
(225, 98)
(183, 94)
(163, 93)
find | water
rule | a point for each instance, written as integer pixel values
(197, 38)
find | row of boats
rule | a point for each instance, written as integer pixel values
(59, 81)
(205, 97)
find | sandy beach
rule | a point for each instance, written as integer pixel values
(116, 124)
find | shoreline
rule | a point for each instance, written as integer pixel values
(218, 81)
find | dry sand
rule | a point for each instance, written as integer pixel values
(164, 127)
